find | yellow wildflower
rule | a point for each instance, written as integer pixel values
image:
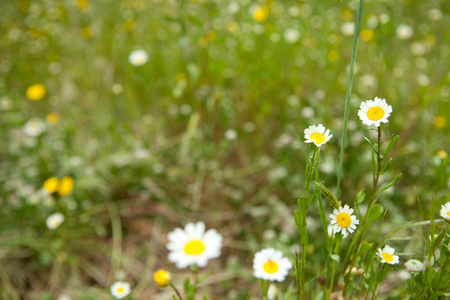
(162, 278)
(260, 14)
(51, 184)
(65, 186)
(52, 118)
(36, 91)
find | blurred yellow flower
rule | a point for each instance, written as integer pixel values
(82, 4)
(129, 25)
(367, 35)
(260, 14)
(439, 122)
(347, 15)
(162, 278)
(65, 186)
(36, 91)
(51, 184)
(52, 118)
(232, 26)
(442, 154)
(333, 56)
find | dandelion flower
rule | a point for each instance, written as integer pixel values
(269, 264)
(162, 278)
(120, 289)
(193, 246)
(51, 184)
(52, 118)
(65, 186)
(259, 13)
(36, 92)
(317, 135)
(414, 265)
(445, 211)
(54, 220)
(138, 57)
(374, 112)
(387, 255)
(34, 127)
(343, 220)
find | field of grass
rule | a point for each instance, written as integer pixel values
(210, 127)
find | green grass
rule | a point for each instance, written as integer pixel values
(146, 145)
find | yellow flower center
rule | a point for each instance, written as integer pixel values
(375, 113)
(120, 290)
(270, 267)
(387, 257)
(448, 214)
(343, 219)
(318, 138)
(194, 247)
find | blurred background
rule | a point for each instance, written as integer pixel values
(204, 123)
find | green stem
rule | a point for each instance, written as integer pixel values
(349, 93)
(338, 237)
(175, 289)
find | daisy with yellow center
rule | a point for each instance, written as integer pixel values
(317, 135)
(445, 211)
(374, 112)
(36, 92)
(138, 57)
(193, 246)
(53, 221)
(387, 255)
(342, 220)
(34, 127)
(269, 264)
(120, 289)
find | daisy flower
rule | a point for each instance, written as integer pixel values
(343, 220)
(272, 292)
(269, 264)
(374, 112)
(120, 289)
(138, 57)
(387, 255)
(54, 220)
(445, 211)
(193, 246)
(317, 135)
(34, 127)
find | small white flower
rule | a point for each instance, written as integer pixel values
(348, 28)
(120, 289)
(269, 264)
(193, 246)
(343, 220)
(374, 112)
(272, 292)
(387, 255)
(138, 57)
(230, 134)
(414, 265)
(34, 127)
(291, 35)
(445, 211)
(404, 32)
(54, 220)
(317, 135)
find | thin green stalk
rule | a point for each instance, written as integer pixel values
(175, 289)
(349, 93)
(337, 246)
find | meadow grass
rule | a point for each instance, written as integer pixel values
(210, 129)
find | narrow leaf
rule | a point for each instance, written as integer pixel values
(391, 145)
(388, 185)
(370, 143)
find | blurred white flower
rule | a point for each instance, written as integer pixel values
(307, 112)
(34, 127)
(372, 22)
(272, 292)
(291, 35)
(5, 103)
(445, 211)
(414, 265)
(423, 80)
(117, 88)
(418, 48)
(404, 32)
(435, 14)
(368, 80)
(248, 126)
(233, 7)
(230, 134)
(138, 57)
(348, 28)
(384, 18)
(54, 220)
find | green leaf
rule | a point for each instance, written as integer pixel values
(301, 226)
(360, 196)
(370, 143)
(388, 185)
(387, 167)
(391, 145)
(365, 246)
(374, 213)
(381, 274)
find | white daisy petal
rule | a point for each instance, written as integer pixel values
(269, 264)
